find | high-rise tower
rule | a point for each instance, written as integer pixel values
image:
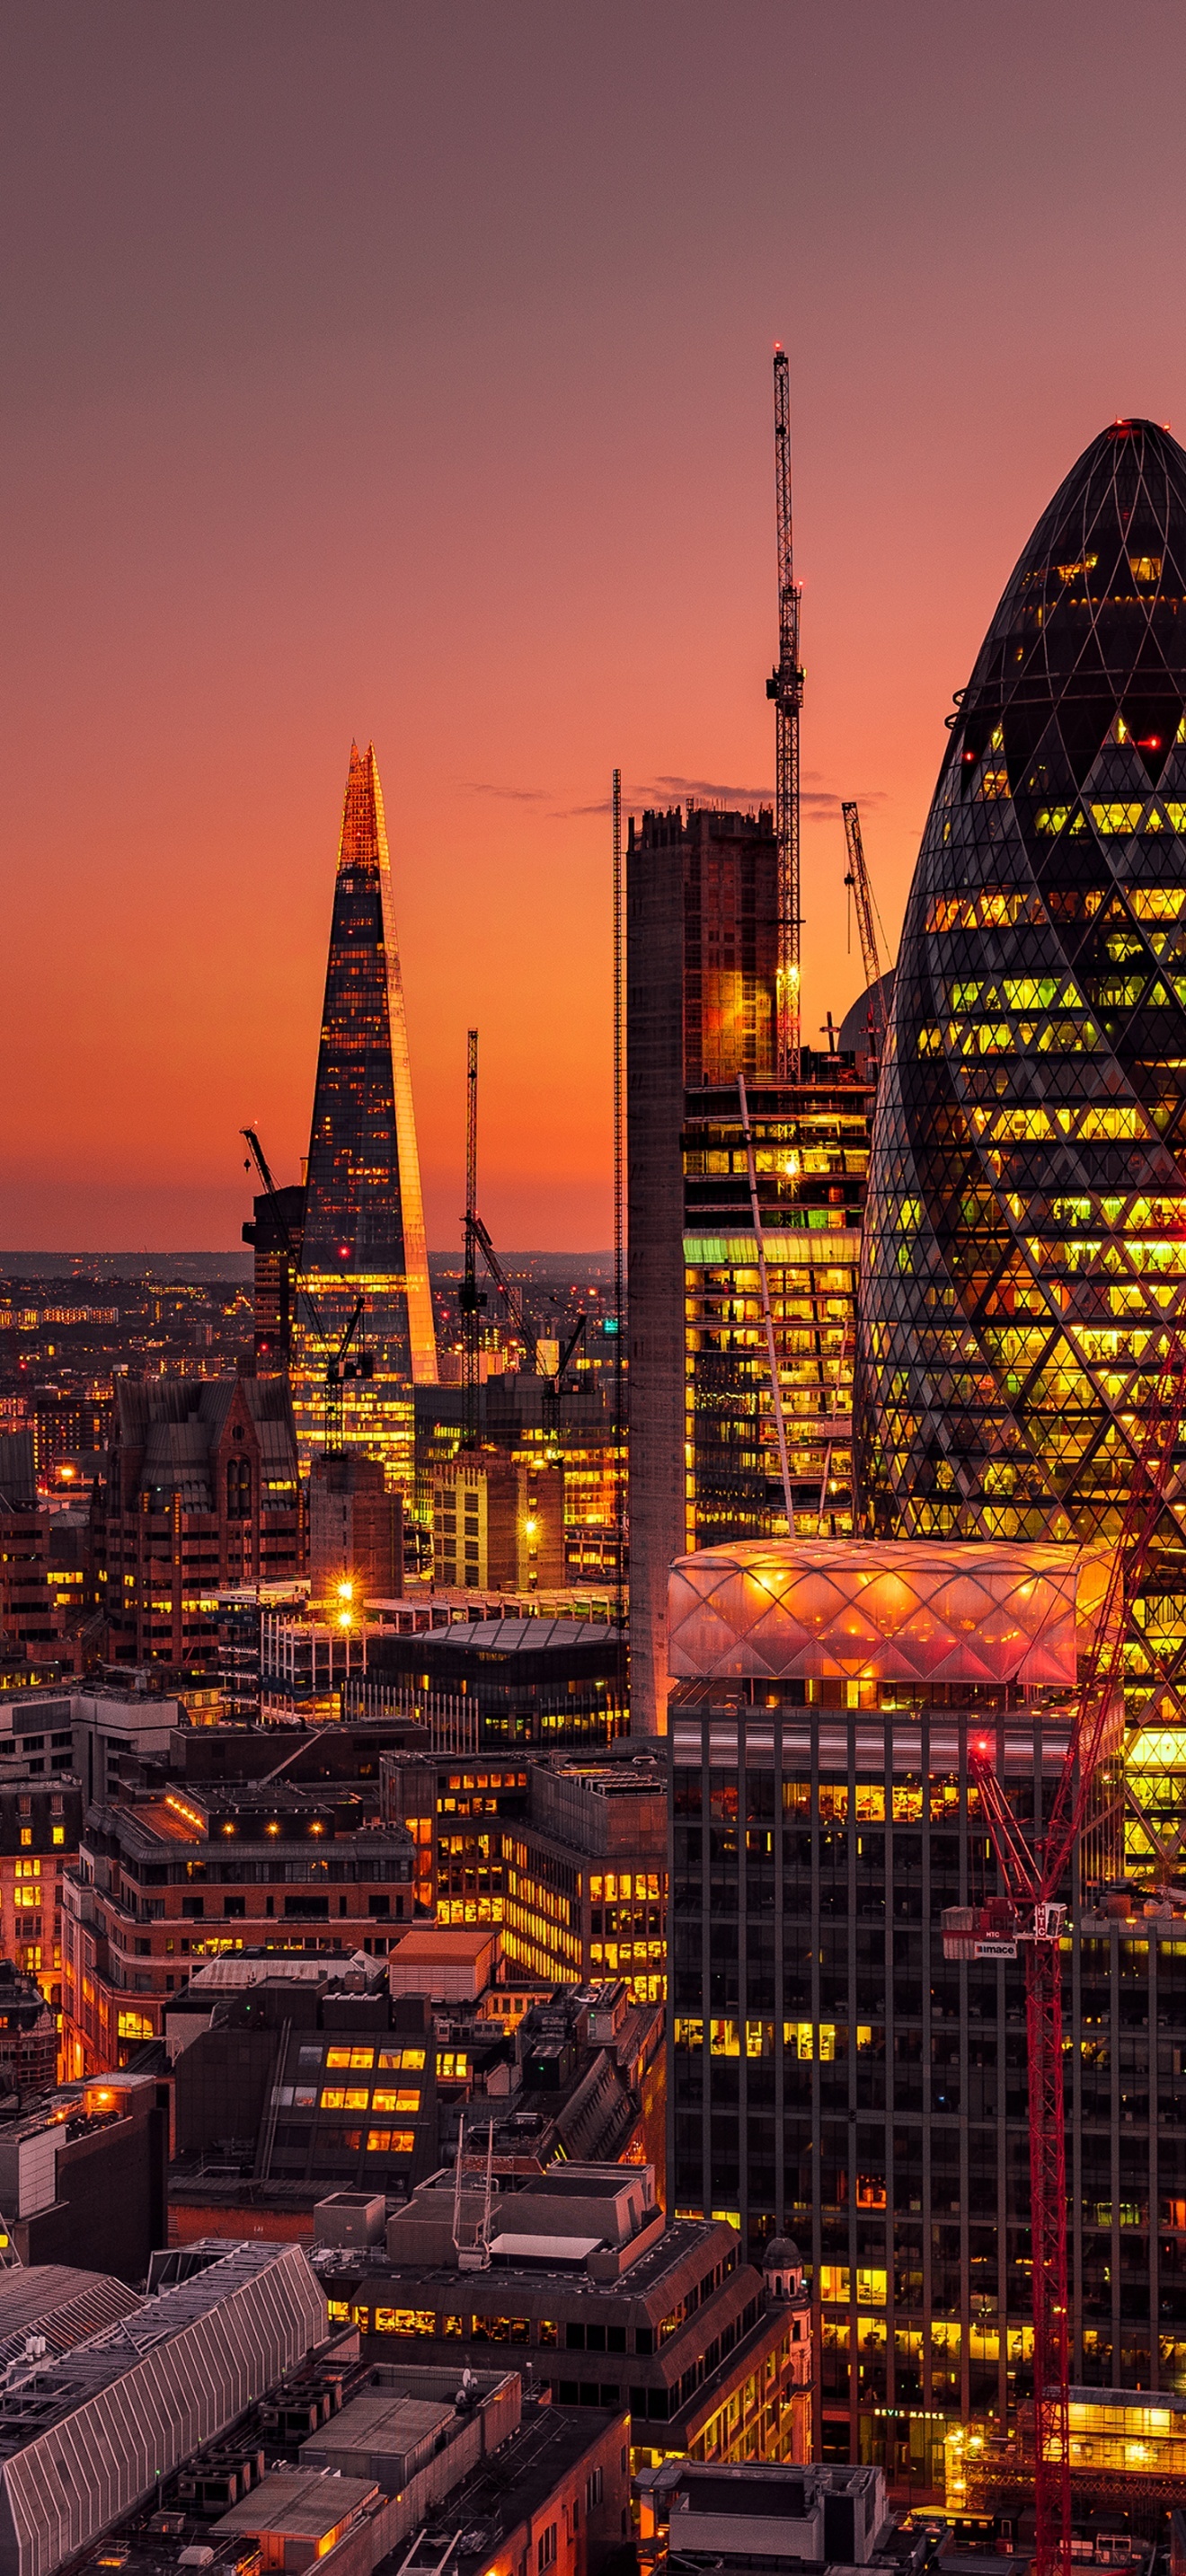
(702, 951)
(1026, 1237)
(364, 1217)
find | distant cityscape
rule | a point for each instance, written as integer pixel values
(631, 1805)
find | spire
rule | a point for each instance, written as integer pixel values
(364, 1221)
(362, 814)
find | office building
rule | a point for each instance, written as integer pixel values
(499, 1522)
(296, 2076)
(835, 2071)
(201, 1493)
(486, 1685)
(701, 994)
(363, 1238)
(314, 2082)
(582, 2280)
(31, 1623)
(567, 1857)
(1027, 1181)
(336, 2463)
(87, 2435)
(170, 1877)
(28, 2035)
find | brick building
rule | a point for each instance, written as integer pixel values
(201, 1493)
(166, 1879)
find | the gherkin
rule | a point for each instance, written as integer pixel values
(1026, 1222)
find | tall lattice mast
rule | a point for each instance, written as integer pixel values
(785, 687)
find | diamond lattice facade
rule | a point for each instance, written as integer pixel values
(364, 1217)
(1026, 1223)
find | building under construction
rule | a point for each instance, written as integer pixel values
(702, 964)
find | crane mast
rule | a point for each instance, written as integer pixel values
(1032, 1872)
(470, 1299)
(785, 687)
(857, 881)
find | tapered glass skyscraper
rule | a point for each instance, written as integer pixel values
(364, 1217)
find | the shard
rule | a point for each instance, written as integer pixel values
(364, 1235)
(1025, 1243)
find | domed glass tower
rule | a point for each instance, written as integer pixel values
(1026, 1216)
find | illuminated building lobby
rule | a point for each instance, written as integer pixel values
(834, 2077)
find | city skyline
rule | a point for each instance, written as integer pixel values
(563, 566)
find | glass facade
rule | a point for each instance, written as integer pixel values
(810, 1154)
(833, 2074)
(364, 1218)
(1026, 1224)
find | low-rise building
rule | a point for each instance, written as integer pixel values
(577, 2271)
(294, 2077)
(164, 1879)
(760, 2516)
(216, 2425)
(86, 2438)
(83, 2175)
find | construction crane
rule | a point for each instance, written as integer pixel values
(1032, 1914)
(785, 687)
(469, 1299)
(339, 1367)
(857, 881)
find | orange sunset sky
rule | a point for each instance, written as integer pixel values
(403, 371)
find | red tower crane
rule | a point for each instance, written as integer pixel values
(785, 687)
(1033, 1872)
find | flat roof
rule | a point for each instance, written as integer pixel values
(303, 2504)
(447, 1943)
(545, 2249)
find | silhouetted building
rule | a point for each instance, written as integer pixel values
(83, 2175)
(364, 1220)
(356, 1530)
(274, 1231)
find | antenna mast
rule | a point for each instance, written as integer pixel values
(785, 687)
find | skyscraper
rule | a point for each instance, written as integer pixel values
(364, 1218)
(1026, 1224)
(702, 967)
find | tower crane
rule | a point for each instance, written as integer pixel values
(471, 1298)
(339, 1367)
(857, 881)
(1032, 1869)
(785, 687)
